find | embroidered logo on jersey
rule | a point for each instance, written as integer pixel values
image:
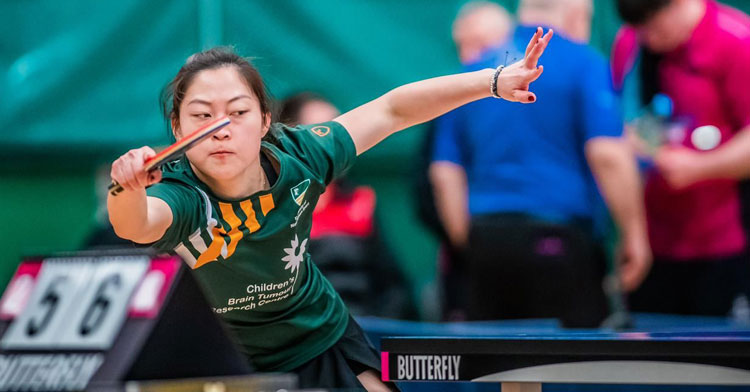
(321, 130)
(298, 192)
(295, 254)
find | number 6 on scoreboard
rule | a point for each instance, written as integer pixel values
(95, 314)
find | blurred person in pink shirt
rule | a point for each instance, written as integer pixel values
(697, 52)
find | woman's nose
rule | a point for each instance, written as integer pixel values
(223, 133)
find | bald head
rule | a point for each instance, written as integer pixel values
(570, 17)
(479, 25)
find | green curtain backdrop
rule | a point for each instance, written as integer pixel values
(81, 79)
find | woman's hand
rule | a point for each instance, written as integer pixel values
(513, 82)
(128, 170)
(133, 214)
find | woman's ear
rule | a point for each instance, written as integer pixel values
(176, 132)
(266, 123)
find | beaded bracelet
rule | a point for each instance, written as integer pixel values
(493, 82)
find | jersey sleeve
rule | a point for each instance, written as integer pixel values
(326, 148)
(186, 205)
(600, 107)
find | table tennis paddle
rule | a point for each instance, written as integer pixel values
(176, 149)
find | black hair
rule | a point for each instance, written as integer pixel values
(174, 92)
(636, 12)
(291, 107)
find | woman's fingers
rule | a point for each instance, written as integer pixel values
(117, 175)
(524, 96)
(136, 168)
(127, 176)
(533, 41)
(154, 177)
(128, 169)
(144, 177)
(535, 74)
(537, 49)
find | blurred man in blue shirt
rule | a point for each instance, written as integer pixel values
(478, 26)
(514, 185)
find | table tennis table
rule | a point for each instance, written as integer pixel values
(522, 363)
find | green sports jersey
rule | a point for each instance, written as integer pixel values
(251, 255)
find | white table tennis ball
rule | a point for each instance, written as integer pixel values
(706, 137)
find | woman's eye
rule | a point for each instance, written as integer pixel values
(202, 116)
(239, 112)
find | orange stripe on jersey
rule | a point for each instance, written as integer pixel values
(235, 234)
(266, 203)
(213, 250)
(251, 222)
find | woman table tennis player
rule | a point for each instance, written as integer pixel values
(237, 208)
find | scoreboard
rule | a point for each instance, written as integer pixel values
(96, 320)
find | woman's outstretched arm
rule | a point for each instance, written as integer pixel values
(422, 101)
